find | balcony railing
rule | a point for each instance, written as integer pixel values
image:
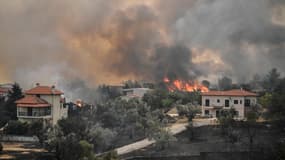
(34, 114)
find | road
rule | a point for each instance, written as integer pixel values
(174, 129)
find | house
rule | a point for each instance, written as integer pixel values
(215, 101)
(42, 102)
(134, 93)
(4, 90)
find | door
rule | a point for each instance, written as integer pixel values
(30, 111)
(217, 113)
(227, 103)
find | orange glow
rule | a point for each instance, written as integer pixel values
(181, 85)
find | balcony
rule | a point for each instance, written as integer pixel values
(45, 114)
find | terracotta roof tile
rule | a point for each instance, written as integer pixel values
(234, 92)
(32, 101)
(45, 90)
(4, 90)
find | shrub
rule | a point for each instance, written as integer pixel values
(16, 128)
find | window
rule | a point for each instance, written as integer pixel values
(207, 102)
(227, 103)
(235, 101)
(206, 112)
(240, 101)
(218, 100)
(247, 103)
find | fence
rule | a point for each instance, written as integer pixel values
(14, 138)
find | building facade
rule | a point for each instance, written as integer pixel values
(134, 93)
(42, 102)
(213, 102)
(4, 90)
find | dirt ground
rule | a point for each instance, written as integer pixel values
(16, 150)
(209, 139)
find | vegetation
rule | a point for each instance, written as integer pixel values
(8, 109)
(163, 139)
(16, 127)
(108, 124)
(161, 99)
(189, 111)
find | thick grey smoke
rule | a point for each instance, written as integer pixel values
(242, 31)
(108, 41)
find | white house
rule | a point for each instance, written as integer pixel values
(4, 90)
(215, 101)
(42, 102)
(134, 93)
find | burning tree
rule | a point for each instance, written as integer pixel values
(184, 85)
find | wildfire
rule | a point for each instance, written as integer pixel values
(181, 85)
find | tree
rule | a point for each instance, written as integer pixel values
(163, 138)
(132, 84)
(16, 128)
(100, 137)
(226, 120)
(36, 128)
(206, 83)
(157, 99)
(110, 156)
(275, 101)
(256, 82)
(271, 80)
(4, 118)
(75, 125)
(228, 128)
(10, 107)
(225, 83)
(250, 126)
(86, 150)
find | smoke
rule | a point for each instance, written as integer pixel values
(114, 40)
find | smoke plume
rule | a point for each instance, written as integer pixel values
(109, 41)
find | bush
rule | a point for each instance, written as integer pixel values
(16, 128)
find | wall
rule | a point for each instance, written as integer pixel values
(213, 102)
(13, 138)
(57, 110)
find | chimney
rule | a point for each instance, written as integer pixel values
(52, 89)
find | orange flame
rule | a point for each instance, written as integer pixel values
(181, 85)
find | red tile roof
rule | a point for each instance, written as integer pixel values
(234, 92)
(4, 90)
(32, 101)
(45, 90)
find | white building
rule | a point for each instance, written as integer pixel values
(42, 102)
(134, 93)
(215, 101)
(4, 90)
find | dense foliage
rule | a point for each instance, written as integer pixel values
(8, 109)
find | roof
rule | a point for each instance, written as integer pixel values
(45, 90)
(4, 90)
(234, 92)
(32, 101)
(132, 89)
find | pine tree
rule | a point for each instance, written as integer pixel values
(10, 107)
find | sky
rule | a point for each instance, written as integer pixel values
(110, 41)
